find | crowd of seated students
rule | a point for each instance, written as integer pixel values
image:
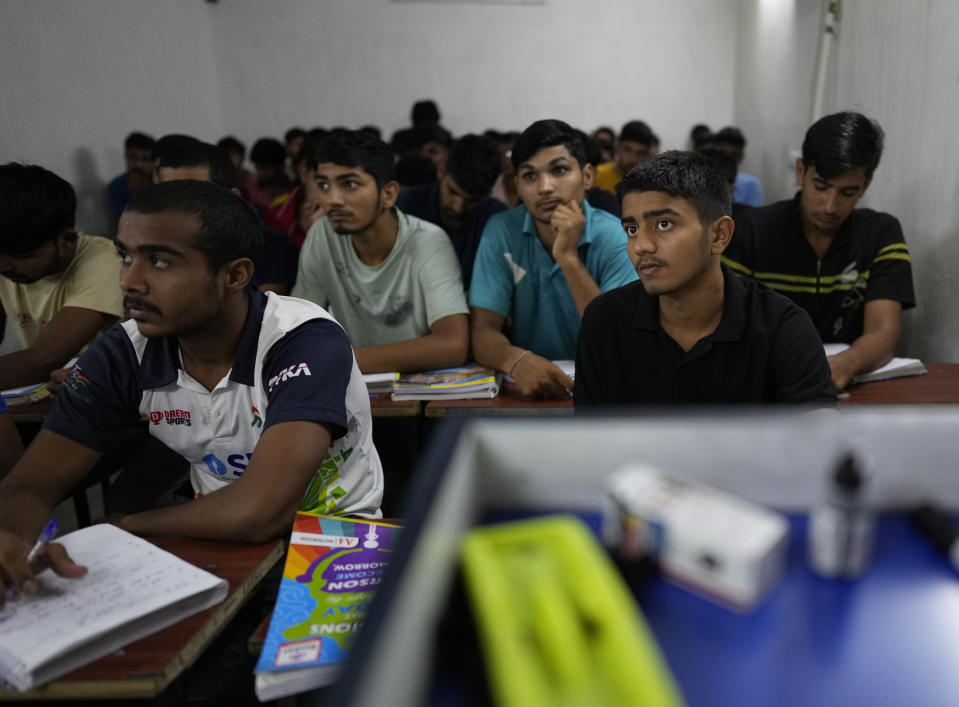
(513, 249)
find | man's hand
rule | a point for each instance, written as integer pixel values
(16, 573)
(842, 371)
(56, 380)
(537, 377)
(567, 223)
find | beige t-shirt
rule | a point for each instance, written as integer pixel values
(90, 281)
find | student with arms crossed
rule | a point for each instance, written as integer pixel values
(392, 280)
(541, 263)
(848, 268)
(58, 287)
(690, 331)
(260, 393)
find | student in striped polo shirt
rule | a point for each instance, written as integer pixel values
(848, 268)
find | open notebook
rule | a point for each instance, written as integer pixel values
(132, 589)
(896, 368)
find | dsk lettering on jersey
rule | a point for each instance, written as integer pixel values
(290, 372)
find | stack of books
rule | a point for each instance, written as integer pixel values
(447, 383)
(24, 395)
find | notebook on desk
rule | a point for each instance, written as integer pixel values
(896, 368)
(132, 589)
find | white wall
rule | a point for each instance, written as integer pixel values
(501, 66)
(76, 77)
(899, 63)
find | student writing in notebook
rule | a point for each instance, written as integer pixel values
(260, 393)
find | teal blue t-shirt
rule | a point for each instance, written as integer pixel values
(515, 276)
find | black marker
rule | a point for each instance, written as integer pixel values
(940, 528)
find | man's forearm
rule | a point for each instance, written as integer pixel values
(422, 354)
(581, 284)
(868, 352)
(26, 367)
(223, 515)
(493, 350)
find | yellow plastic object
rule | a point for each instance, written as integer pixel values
(558, 625)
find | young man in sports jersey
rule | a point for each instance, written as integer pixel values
(260, 393)
(848, 268)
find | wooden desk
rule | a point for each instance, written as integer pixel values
(383, 405)
(31, 413)
(939, 385)
(144, 668)
(508, 402)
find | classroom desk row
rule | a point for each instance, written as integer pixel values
(939, 385)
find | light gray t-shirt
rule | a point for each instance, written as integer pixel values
(398, 300)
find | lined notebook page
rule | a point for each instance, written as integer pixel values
(128, 577)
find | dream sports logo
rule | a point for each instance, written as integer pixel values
(172, 417)
(289, 372)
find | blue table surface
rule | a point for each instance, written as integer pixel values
(888, 638)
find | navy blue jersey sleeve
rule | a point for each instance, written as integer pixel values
(3, 405)
(101, 395)
(306, 374)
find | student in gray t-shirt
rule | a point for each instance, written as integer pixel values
(390, 279)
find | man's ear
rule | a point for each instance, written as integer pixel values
(441, 170)
(388, 194)
(589, 174)
(239, 274)
(720, 233)
(66, 241)
(800, 171)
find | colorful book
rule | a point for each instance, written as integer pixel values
(332, 569)
(447, 383)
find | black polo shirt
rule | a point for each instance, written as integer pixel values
(867, 260)
(423, 202)
(765, 350)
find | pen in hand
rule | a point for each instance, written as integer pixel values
(46, 535)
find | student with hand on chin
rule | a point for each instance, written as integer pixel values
(260, 393)
(539, 265)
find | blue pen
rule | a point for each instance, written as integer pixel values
(46, 535)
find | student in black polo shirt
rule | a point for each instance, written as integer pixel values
(690, 331)
(848, 268)
(459, 202)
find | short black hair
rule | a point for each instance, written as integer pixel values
(547, 133)
(429, 132)
(724, 161)
(473, 163)
(193, 153)
(356, 148)
(592, 146)
(293, 133)
(373, 130)
(843, 141)
(169, 144)
(699, 133)
(228, 228)
(731, 135)
(415, 168)
(638, 131)
(425, 111)
(138, 141)
(268, 151)
(687, 175)
(231, 144)
(35, 207)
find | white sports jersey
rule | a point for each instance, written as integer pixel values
(293, 362)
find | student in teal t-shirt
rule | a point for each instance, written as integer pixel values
(391, 280)
(541, 263)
